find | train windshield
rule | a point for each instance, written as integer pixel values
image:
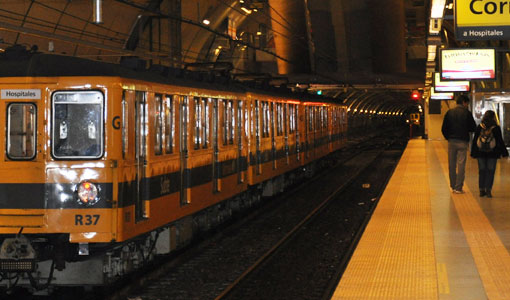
(77, 125)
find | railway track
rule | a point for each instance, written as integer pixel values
(277, 246)
(309, 261)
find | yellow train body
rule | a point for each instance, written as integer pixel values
(281, 149)
(104, 160)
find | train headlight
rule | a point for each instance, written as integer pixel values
(87, 193)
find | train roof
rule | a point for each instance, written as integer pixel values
(17, 61)
(22, 63)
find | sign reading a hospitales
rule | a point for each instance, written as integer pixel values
(482, 20)
(20, 94)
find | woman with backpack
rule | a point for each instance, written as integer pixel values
(487, 147)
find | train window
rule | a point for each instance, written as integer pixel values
(285, 114)
(77, 124)
(256, 123)
(279, 119)
(205, 122)
(198, 114)
(292, 118)
(344, 116)
(319, 118)
(232, 123)
(201, 123)
(311, 118)
(228, 122)
(326, 119)
(21, 122)
(265, 119)
(239, 125)
(246, 119)
(124, 125)
(158, 120)
(316, 117)
(168, 124)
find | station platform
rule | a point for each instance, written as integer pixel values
(424, 242)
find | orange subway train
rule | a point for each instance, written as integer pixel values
(104, 168)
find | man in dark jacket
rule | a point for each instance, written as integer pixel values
(458, 122)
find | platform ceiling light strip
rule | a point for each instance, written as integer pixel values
(437, 10)
(431, 52)
(435, 26)
(97, 11)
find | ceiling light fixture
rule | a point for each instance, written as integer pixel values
(97, 11)
(437, 10)
(247, 11)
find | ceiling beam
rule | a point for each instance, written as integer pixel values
(39, 33)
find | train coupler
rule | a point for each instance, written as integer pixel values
(17, 255)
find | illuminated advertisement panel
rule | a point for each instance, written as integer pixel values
(467, 64)
(449, 86)
(440, 96)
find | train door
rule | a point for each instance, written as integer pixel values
(216, 151)
(141, 126)
(183, 142)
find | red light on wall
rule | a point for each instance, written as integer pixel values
(416, 95)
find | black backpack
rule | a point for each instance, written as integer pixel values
(486, 141)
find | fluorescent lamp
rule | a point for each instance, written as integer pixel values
(431, 52)
(436, 12)
(247, 11)
(97, 11)
(435, 26)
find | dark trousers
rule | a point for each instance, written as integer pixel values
(486, 170)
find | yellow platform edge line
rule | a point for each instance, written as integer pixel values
(395, 257)
(442, 279)
(489, 253)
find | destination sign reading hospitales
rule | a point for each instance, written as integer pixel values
(482, 20)
(20, 94)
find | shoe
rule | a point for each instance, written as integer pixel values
(458, 191)
(482, 193)
(488, 194)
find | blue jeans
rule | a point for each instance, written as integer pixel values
(457, 153)
(486, 170)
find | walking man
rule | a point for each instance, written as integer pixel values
(458, 122)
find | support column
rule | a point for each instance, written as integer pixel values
(288, 21)
(174, 32)
(388, 36)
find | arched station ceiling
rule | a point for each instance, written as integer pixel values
(364, 44)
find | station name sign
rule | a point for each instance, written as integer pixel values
(482, 20)
(21, 94)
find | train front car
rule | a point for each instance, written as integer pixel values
(56, 191)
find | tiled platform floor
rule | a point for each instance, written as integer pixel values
(423, 242)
